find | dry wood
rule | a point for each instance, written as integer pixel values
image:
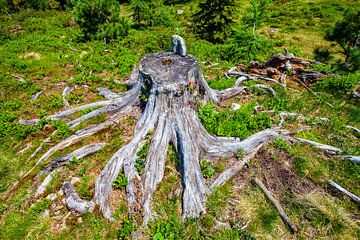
(74, 202)
(77, 154)
(345, 192)
(277, 205)
(65, 93)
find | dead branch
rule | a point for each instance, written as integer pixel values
(277, 205)
(344, 191)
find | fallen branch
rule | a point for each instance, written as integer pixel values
(35, 96)
(344, 191)
(354, 159)
(309, 89)
(277, 205)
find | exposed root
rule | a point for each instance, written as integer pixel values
(35, 96)
(106, 93)
(42, 188)
(74, 202)
(326, 148)
(77, 154)
(103, 186)
(65, 93)
(155, 162)
(244, 77)
(233, 170)
(81, 134)
(354, 159)
(194, 194)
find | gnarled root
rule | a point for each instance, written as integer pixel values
(74, 202)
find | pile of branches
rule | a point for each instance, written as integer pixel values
(283, 67)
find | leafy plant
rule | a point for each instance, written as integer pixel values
(141, 157)
(120, 182)
(339, 84)
(241, 123)
(206, 169)
(126, 229)
(40, 206)
(322, 54)
(281, 144)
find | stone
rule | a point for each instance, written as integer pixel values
(74, 180)
(46, 213)
(235, 106)
(52, 197)
(178, 45)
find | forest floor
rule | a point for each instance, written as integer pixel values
(43, 49)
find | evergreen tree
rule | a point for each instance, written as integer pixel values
(100, 19)
(214, 19)
(347, 34)
(141, 11)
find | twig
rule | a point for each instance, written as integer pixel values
(277, 205)
(309, 89)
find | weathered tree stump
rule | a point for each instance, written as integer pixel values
(171, 82)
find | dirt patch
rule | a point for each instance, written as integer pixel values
(274, 168)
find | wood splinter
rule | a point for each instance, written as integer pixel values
(277, 205)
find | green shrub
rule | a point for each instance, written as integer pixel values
(39, 207)
(281, 144)
(120, 182)
(38, 4)
(101, 19)
(339, 84)
(243, 46)
(206, 169)
(126, 229)
(322, 54)
(152, 13)
(346, 33)
(241, 123)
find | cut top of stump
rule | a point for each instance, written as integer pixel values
(169, 68)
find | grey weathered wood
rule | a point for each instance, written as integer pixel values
(106, 93)
(65, 93)
(178, 45)
(77, 154)
(345, 192)
(74, 202)
(277, 205)
(35, 96)
(354, 159)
